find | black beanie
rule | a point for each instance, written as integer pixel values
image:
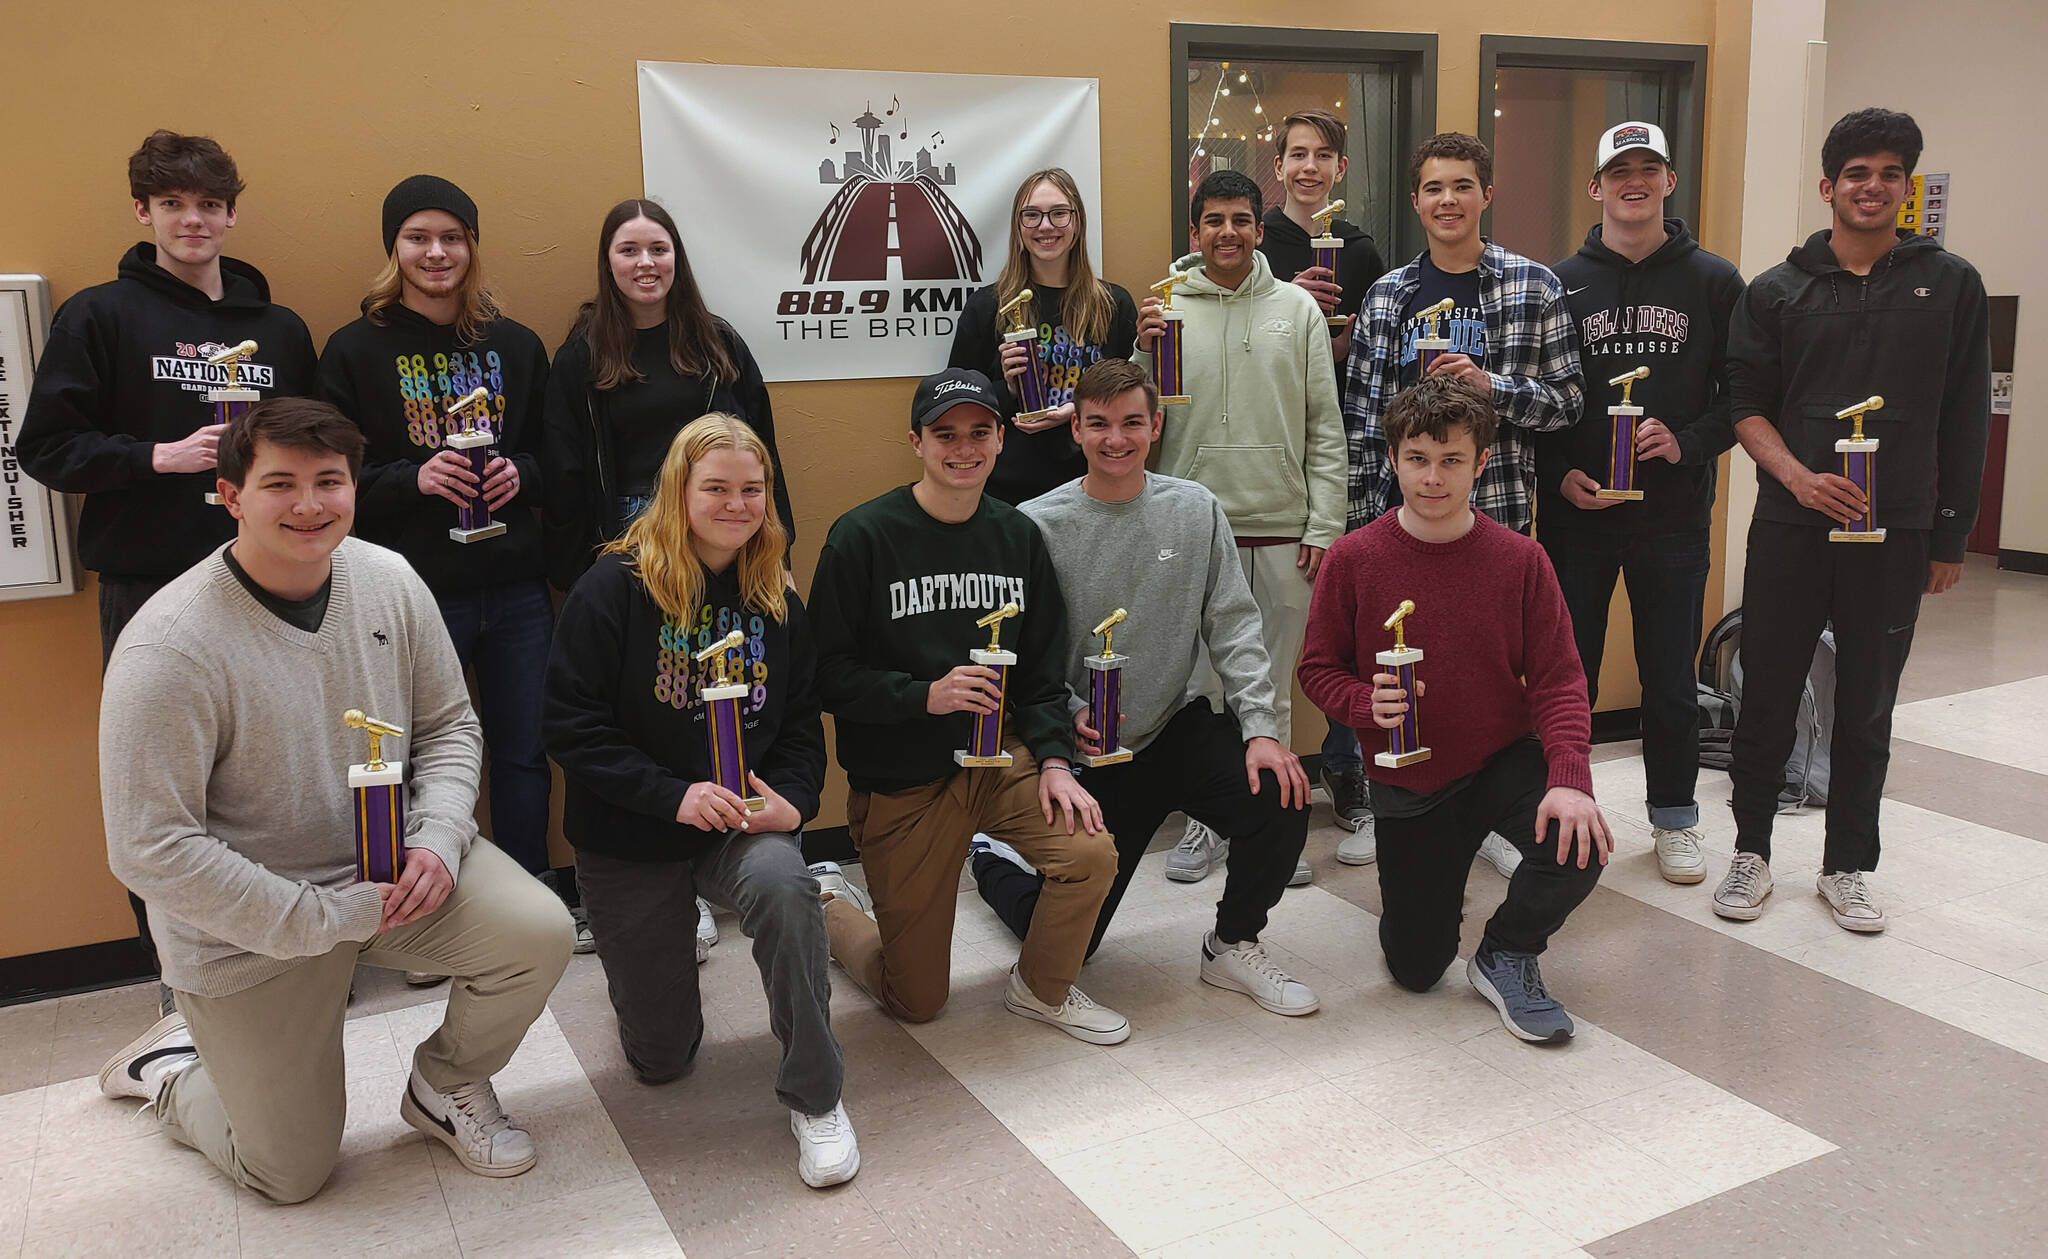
(425, 192)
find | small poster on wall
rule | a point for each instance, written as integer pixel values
(839, 218)
(1925, 209)
(36, 559)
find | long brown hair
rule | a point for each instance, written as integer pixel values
(658, 541)
(695, 345)
(1087, 310)
(476, 308)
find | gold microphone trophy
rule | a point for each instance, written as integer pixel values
(1031, 385)
(1622, 419)
(379, 788)
(722, 720)
(230, 402)
(1168, 357)
(1859, 464)
(1404, 742)
(1430, 344)
(985, 746)
(1327, 247)
(473, 521)
(1105, 695)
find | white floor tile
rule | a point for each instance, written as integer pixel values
(1579, 1181)
(1314, 1140)
(1434, 1211)
(384, 1203)
(1204, 1069)
(21, 1122)
(615, 1221)
(1072, 1106)
(1161, 1187)
(1447, 1099)
(1356, 1028)
(15, 1179)
(1290, 1231)
(1888, 965)
(1592, 1067)
(1998, 723)
(579, 1149)
(159, 1194)
(1997, 1009)
(1705, 1133)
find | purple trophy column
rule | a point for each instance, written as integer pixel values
(728, 753)
(380, 832)
(1105, 701)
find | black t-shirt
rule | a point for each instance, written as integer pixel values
(1465, 325)
(646, 416)
(305, 614)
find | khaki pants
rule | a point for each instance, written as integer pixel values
(269, 1097)
(911, 846)
(1282, 595)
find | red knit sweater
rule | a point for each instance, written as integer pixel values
(1499, 660)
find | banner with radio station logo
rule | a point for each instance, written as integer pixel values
(839, 218)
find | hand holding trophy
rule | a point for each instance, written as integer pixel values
(1030, 385)
(379, 788)
(229, 402)
(985, 746)
(1168, 356)
(722, 720)
(1859, 465)
(1404, 742)
(1622, 419)
(1326, 248)
(473, 522)
(1105, 694)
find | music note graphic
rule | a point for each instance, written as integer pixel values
(905, 133)
(894, 105)
(835, 136)
(938, 137)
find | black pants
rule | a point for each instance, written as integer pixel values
(1196, 765)
(1795, 584)
(120, 599)
(1424, 860)
(1667, 580)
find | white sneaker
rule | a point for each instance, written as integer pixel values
(143, 1064)
(1196, 854)
(1849, 896)
(1302, 876)
(422, 979)
(1743, 889)
(469, 1121)
(707, 930)
(997, 848)
(585, 942)
(1679, 858)
(1247, 968)
(826, 1153)
(1361, 847)
(1505, 857)
(1077, 1016)
(832, 882)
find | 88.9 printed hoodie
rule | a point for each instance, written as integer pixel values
(125, 371)
(1669, 313)
(1264, 432)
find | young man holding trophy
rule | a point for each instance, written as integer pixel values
(1260, 428)
(1866, 325)
(943, 733)
(1632, 496)
(1152, 558)
(1495, 738)
(231, 800)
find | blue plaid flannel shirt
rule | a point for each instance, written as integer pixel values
(1531, 353)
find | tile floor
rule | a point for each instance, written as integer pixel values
(1777, 1087)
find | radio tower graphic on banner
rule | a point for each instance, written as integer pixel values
(885, 211)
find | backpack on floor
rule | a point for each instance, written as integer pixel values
(1719, 689)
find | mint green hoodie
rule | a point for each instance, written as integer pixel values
(1264, 431)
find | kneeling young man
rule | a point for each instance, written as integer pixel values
(1161, 548)
(224, 779)
(1506, 717)
(905, 584)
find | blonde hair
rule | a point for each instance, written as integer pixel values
(1087, 310)
(476, 309)
(658, 542)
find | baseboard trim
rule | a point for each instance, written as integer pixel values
(2023, 561)
(1618, 725)
(61, 972)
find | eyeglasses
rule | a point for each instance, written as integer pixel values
(1032, 216)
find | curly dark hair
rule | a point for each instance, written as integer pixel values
(169, 162)
(1869, 131)
(1435, 407)
(1455, 146)
(1225, 185)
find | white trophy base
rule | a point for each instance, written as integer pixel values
(992, 659)
(491, 530)
(215, 499)
(1398, 656)
(1850, 446)
(1431, 345)
(468, 439)
(1388, 760)
(965, 759)
(737, 690)
(1117, 757)
(391, 775)
(1850, 535)
(233, 395)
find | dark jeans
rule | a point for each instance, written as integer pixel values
(1424, 860)
(1795, 584)
(1340, 750)
(644, 918)
(1196, 765)
(502, 632)
(120, 599)
(1667, 582)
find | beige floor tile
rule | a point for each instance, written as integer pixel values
(1705, 1133)
(1314, 1140)
(1451, 1011)
(1161, 1187)
(1024, 1214)
(1997, 723)
(1576, 1179)
(92, 1026)
(1888, 965)
(1071, 1106)
(1203, 1070)
(1433, 1211)
(1159, 999)
(975, 1038)
(374, 1123)
(1447, 1099)
(27, 1031)
(1290, 1231)
(1592, 1067)
(724, 1198)
(21, 1123)
(2002, 930)
(615, 1221)
(76, 1116)
(156, 1189)
(930, 1147)
(384, 1203)
(367, 1047)
(578, 1147)
(16, 1177)
(1997, 1009)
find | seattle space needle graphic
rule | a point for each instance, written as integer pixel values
(889, 221)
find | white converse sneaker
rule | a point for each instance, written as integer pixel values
(469, 1121)
(1246, 967)
(1849, 896)
(143, 1064)
(707, 930)
(826, 1153)
(585, 942)
(1505, 857)
(1679, 858)
(1361, 847)
(1077, 1016)
(1195, 854)
(1743, 889)
(832, 882)
(1302, 876)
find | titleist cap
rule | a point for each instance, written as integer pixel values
(939, 393)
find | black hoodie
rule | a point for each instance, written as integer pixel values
(1288, 252)
(397, 381)
(1669, 313)
(125, 370)
(624, 722)
(1813, 337)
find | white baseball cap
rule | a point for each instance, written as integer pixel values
(1622, 137)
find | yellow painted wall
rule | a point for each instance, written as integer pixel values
(532, 109)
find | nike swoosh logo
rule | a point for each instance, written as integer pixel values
(143, 1060)
(439, 1122)
(1167, 555)
(1575, 292)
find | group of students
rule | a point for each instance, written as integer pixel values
(1264, 531)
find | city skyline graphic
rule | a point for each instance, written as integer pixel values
(890, 219)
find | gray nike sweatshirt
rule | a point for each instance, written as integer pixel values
(224, 763)
(1169, 558)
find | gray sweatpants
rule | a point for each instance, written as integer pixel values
(644, 917)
